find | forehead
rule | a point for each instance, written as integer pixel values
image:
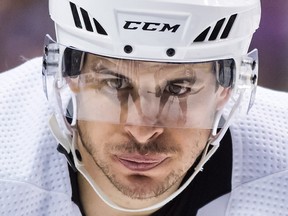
(100, 62)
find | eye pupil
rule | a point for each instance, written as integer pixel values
(175, 89)
(117, 83)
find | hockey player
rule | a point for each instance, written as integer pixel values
(147, 101)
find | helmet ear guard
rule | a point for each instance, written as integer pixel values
(72, 62)
(225, 70)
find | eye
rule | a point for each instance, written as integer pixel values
(118, 83)
(177, 88)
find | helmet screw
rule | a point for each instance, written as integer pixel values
(128, 49)
(254, 79)
(78, 155)
(44, 63)
(46, 50)
(170, 52)
(254, 65)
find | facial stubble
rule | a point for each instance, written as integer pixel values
(141, 186)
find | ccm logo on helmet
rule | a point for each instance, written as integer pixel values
(150, 26)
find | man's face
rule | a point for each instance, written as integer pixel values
(144, 124)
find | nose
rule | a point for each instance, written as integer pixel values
(143, 134)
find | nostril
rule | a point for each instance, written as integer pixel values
(143, 134)
(154, 136)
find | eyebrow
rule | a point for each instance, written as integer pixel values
(107, 71)
(192, 80)
(102, 69)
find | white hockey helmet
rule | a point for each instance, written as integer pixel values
(157, 32)
(170, 30)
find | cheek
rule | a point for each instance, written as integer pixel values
(90, 131)
(95, 134)
(191, 142)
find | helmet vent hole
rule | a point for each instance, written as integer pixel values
(216, 30)
(86, 19)
(75, 14)
(99, 28)
(228, 26)
(203, 35)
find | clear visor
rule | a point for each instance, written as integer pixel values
(144, 93)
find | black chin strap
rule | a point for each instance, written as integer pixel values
(75, 189)
(68, 156)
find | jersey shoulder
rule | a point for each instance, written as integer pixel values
(260, 157)
(260, 161)
(34, 178)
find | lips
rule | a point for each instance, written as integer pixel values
(141, 163)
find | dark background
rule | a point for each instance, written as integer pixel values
(23, 24)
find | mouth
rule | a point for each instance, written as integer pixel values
(141, 163)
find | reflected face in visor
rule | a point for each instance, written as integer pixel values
(143, 124)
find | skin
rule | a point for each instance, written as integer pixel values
(139, 165)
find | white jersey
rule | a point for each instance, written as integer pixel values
(34, 178)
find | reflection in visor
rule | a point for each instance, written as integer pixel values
(146, 93)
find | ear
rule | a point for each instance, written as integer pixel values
(223, 97)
